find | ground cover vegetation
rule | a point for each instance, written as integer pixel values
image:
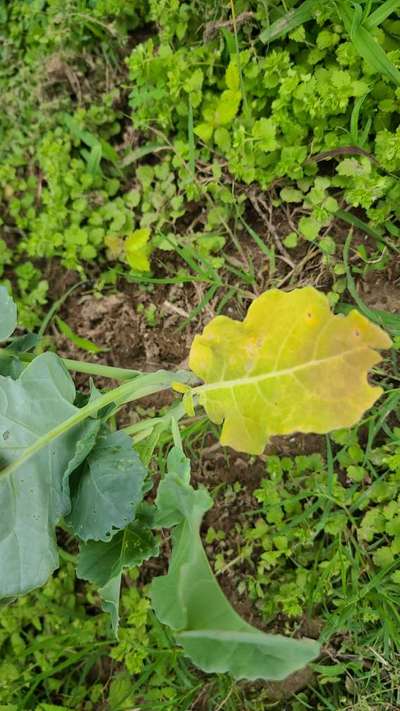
(162, 163)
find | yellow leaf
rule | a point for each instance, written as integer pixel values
(138, 250)
(188, 404)
(115, 246)
(291, 366)
(181, 388)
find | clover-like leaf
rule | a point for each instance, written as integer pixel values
(138, 250)
(290, 366)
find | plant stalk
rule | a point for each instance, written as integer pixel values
(103, 371)
(139, 387)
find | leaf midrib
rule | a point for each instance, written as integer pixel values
(252, 379)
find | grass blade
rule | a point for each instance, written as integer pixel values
(366, 45)
(290, 21)
(82, 343)
(191, 141)
(381, 13)
(355, 221)
(390, 322)
(143, 151)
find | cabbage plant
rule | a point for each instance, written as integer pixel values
(290, 366)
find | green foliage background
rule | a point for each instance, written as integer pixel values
(101, 140)
(136, 138)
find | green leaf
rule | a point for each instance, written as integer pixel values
(291, 240)
(84, 446)
(204, 131)
(101, 146)
(138, 250)
(121, 694)
(23, 344)
(110, 595)
(10, 366)
(107, 489)
(189, 600)
(222, 138)
(78, 341)
(291, 195)
(99, 562)
(291, 366)
(94, 159)
(328, 245)
(8, 314)
(227, 107)
(264, 131)
(33, 498)
(103, 563)
(351, 167)
(232, 76)
(309, 227)
(381, 13)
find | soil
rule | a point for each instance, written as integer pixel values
(381, 290)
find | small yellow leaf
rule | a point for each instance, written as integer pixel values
(138, 250)
(188, 404)
(291, 366)
(115, 246)
(181, 387)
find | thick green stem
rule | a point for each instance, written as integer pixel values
(138, 387)
(103, 371)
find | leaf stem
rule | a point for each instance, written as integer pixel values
(138, 387)
(104, 371)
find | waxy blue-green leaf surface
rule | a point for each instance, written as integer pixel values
(32, 499)
(103, 563)
(8, 314)
(190, 601)
(106, 490)
(99, 561)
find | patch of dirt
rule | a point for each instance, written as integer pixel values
(282, 690)
(137, 328)
(381, 290)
